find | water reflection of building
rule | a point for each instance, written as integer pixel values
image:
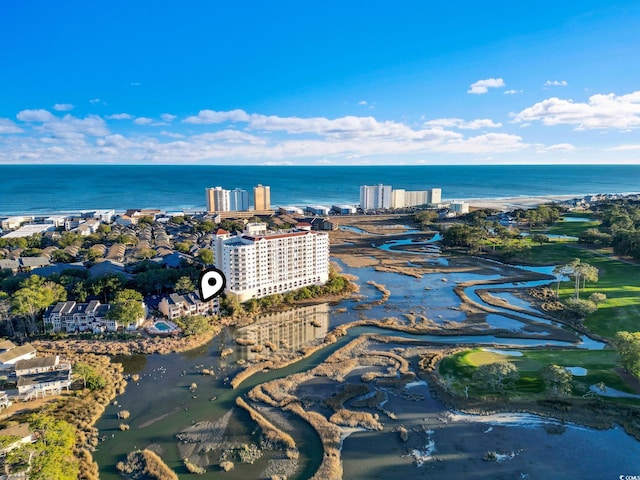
(288, 330)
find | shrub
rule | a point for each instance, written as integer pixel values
(226, 465)
(124, 414)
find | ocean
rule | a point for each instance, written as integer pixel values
(34, 189)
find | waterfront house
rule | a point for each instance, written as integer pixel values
(83, 317)
(37, 365)
(42, 384)
(10, 357)
(21, 431)
(187, 305)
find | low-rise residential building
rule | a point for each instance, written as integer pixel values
(4, 402)
(42, 384)
(83, 317)
(105, 215)
(37, 365)
(30, 229)
(187, 305)
(460, 208)
(6, 345)
(344, 209)
(288, 210)
(22, 431)
(87, 227)
(29, 263)
(10, 264)
(318, 209)
(11, 223)
(9, 358)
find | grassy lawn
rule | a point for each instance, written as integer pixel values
(599, 364)
(619, 281)
(574, 229)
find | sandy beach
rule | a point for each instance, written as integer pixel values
(512, 203)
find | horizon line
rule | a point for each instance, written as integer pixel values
(322, 165)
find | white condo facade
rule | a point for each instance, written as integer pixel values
(375, 196)
(257, 263)
(222, 200)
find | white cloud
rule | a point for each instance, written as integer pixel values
(90, 125)
(277, 164)
(627, 147)
(260, 138)
(555, 83)
(38, 115)
(363, 103)
(487, 143)
(483, 86)
(135, 84)
(205, 117)
(64, 127)
(600, 112)
(167, 117)
(171, 134)
(120, 116)
(94, 100)
(116, 140)
(461, 124)
(143, 121)
(8, 126)
(512, 92)
(63, 107)
(565, 147)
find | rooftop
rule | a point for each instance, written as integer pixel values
(38, 362)
(45, 377)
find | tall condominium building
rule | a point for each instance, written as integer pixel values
(217, 200)
(238, 200)
(221, 200)
(398, 198)
(435, 196)
(414, 198)
(401, 198)
(257, 263)
(375, 196)
(261, 197)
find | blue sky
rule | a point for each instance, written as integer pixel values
(319, 82)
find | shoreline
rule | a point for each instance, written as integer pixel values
(504, 203)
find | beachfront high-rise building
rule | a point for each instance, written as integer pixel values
(260, 264)
(375, 196)
(217, 200)
(221, 200)
(261, 197)
(398, 198)
(401, 198)
(435, 196)
(238, 200)
(415, 198)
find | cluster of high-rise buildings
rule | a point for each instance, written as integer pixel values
(237, 200)
(375, 197)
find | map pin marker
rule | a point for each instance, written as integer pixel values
(211, 284)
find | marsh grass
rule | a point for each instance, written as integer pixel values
(145, 464)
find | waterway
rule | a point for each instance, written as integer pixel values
(161, 403)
